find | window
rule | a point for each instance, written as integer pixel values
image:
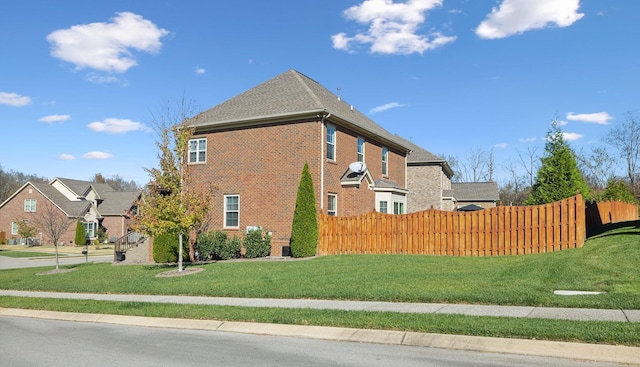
(197, 150)
(14, 228)
(331, 142)
(360, 157)
(232, 211)
(332, 205)
(383, 207)
(385, 161)
(30, 205)
(90, 229)
(398, 208)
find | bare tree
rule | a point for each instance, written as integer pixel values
(529, 160)
(475, 166)
(53, 223)
(625, 138)
(597, 167)
(515, 190)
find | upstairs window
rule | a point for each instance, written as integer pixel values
(385, 161)
(331, 142)
(332, 205)
(231, 211)
(30, 205)
(197, 150)
(360, 157)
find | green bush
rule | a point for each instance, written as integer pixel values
(165, 248)
(230, 249)
(81, 234)
(304, 229)
(617, 190)
(257, 243)
(210, 242)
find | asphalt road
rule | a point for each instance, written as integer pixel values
(15, 263)
(36, 342)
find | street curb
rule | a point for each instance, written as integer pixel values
(575, 351)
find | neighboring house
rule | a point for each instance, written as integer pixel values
(428, 181)
(96, 205)
(471, 195)
(250, 151)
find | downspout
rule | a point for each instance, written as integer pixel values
(322, 158)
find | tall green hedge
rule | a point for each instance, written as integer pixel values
(304, 229)
(81, 234)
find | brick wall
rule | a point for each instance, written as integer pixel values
(425, 188)
(13, 211)
(263, 164)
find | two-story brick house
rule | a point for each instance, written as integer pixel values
(251, 149)
(96, 205)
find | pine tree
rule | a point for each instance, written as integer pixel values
(304, 231)
(558, 177)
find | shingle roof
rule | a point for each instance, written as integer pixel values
(117, 202)
(289, 94)
(419, 156)
(475, 191)
(71, 208)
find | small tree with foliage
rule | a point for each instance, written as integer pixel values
(26, 230)
(168, 207)
(558, 176)
(81, 234)
(257, 243)
(304, 229)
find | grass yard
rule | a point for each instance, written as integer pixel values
(17, 254)
(607, 263)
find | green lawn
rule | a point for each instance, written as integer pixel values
(608, 262)
(26, 254)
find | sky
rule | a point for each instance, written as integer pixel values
(82, 82)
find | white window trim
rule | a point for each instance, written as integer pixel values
(360, 139)
(198, 150)
(385, 161)
(333, 144)
(224, 224)
(386, 209)
(14, 228)
(32, 205)
(333, 196)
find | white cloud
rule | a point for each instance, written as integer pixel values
(200, 71)
(66, 157)
(528, 140)
(54, 118)
(385, 107)
(14, 99)
(117, 126)
(571, 136)
(97, 155)
(500, 145)
(601, 118)
(107, 46)
(392, 28)
(518, 16)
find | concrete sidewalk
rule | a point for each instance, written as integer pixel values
(579, 314)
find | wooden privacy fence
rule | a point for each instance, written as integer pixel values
(503, 230)
(607, 212)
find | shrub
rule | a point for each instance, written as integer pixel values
(81, 234)
(165, 248)
(210, 242)
(257, 243)
(230, 249)
(617, 190)
(304, 229)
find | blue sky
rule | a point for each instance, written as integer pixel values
(80, 81)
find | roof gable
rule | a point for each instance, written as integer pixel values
(290, 94)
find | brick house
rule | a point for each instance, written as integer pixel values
(251, 150)
(96, 205)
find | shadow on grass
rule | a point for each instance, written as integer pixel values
(633, 227)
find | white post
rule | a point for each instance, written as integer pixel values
(180, 254)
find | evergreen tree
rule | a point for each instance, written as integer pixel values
(304, 231)
(558, 177)
(617, 190)
(81, 234)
